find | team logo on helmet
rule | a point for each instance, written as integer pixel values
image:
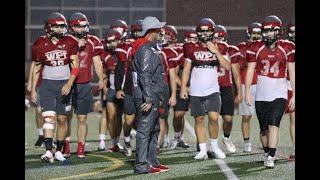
(56, 20)
(79, 20)
(205, 29)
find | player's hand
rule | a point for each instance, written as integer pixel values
(172, 101)
(34, 96)
(146, 106)
(213, 47)
(183, 93)
(29, 87)
(120, 94)
(101, 84)
(238, 99)
(65, 89)
(105, 93)
(292, 103)
(249, 99)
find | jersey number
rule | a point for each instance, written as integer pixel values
(57, 63)
(266, 68)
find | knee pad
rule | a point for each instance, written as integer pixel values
(48, 117)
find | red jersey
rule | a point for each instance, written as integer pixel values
(54, 57)
(92, 48)
(271, 67)
(243, 47)
(225, 76)
(109, 62)
(170, 59)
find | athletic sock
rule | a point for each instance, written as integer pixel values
(272, 151)
(266, 149)
(48, 143)
(60, 144)
(226, 135)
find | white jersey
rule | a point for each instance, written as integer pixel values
(269, 89)
(56, 72)
(204, 81)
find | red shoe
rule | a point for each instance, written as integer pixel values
(154, 170)
(163, 168)
(80, 151)
(113, 149)
(66, 149)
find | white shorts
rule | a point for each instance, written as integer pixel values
(245, 109)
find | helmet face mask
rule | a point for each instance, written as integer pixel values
(79, 25)
(136, 27)
(254, 32)
(112, 39)
(270, 35)
(80, 31)
(205, 35)
(120, 26)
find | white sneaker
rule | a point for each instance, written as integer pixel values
(269, 162)
(247, 147)
(265, 156)
(166, 143)
(120, 146)
(102, 145)
(201, 156)
(229, 145)
(127, 150)
(174, 143)
(218, 153)
(58, 156)
(47, 157)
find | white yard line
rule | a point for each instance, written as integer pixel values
(222, 165)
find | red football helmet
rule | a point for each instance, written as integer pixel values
(220, 33)
(78, 20)
(112, 39)
(190, 35)
(254, 31)
(271, 24)
(171, 34)
(135, 28)
(56, 19)
(121, 26)
(205, 29)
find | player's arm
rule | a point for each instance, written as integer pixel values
(222, 60)
(173, 85)
(74, 72)
(185, 78)
(30, 76)
(235, 68)
(99, 70)
(118, 79)
(178, 79)
(291, 69)
(35, 77)
(249, 77)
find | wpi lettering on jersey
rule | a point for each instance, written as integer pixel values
(204, 56)
(56, 55)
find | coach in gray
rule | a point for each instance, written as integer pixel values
(149, 84)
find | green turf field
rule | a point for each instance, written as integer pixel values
(103, 165)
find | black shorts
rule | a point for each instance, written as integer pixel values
(51, 98)
(111, 97)
(270, 113)
(182, 104)
(128, 105)
(227, 100)
(82, 98)
(200, 106)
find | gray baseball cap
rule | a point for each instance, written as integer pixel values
(150, 23)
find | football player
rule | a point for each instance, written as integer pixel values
(89, 55)
(253, 34)
(270, 58)
(55, 52)
(203, 59)
(226, 86)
